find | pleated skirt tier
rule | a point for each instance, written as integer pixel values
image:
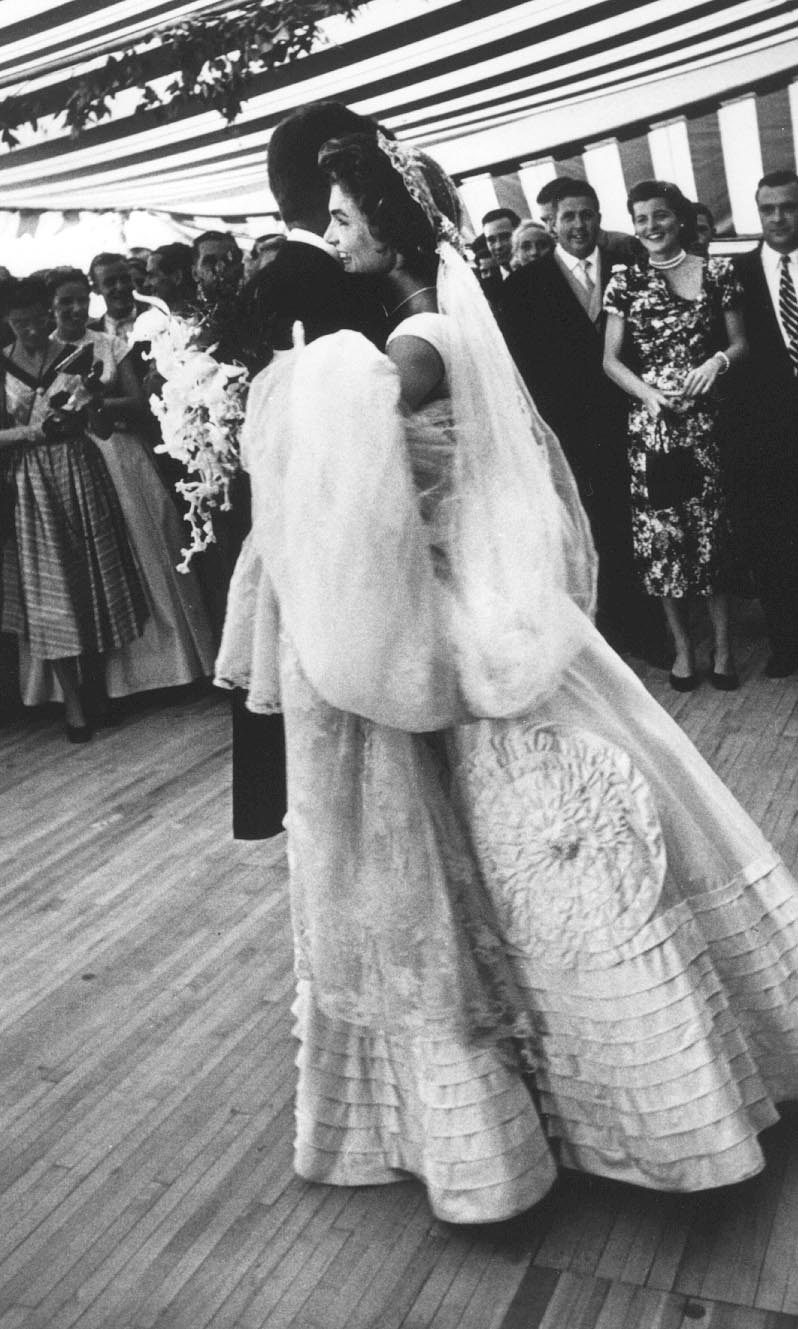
(652, 934)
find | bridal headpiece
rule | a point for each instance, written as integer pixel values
(423, 179)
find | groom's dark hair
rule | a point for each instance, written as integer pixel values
(299, 187)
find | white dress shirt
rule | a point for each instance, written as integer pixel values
(574, 269)
(298, 233)
(771, 262)
(121, 327)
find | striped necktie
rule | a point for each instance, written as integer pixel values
(788, 308)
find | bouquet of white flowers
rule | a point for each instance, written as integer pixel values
(200, 411)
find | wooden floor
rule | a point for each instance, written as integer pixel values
(146, 1078)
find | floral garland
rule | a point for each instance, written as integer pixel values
(211, 60)
(200, 411)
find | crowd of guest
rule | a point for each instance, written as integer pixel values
(624, 340)
(688, 476)
(91, 526)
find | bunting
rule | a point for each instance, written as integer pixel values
(505, 93)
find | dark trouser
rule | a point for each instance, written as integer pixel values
(765, 516)
(629, 619)
(259, 790)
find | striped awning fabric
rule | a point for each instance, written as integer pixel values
(505, 93)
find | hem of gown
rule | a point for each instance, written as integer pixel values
(374, 1108)
(659, 1070)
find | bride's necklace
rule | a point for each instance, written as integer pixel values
(665, 264)
(421, 291)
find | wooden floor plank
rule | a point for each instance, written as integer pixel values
(146, 1079)
(453, 1254)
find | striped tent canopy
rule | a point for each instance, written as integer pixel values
(505, 93)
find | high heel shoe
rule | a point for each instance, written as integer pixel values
(723, 682)
(684, 683)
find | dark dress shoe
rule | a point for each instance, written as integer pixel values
(688, 683)
(781, 666)
(78, 733)
(724, 682)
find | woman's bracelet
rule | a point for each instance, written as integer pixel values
(725, 362)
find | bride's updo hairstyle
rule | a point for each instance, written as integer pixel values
(360, 167)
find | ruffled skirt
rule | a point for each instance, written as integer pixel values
(652, 935)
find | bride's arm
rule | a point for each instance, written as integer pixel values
(420, 369)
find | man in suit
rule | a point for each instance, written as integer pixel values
(763, 421)
(553, 322)
(497, 227)
(112, 278)
(304, 282)
(497, 235)
(618, 246)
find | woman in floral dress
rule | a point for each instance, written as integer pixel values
(661, 348)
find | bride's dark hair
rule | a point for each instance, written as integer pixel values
(366, 174)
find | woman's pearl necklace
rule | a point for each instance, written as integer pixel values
(667, 263)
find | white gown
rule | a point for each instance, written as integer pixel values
(176, 646)
(573, 890)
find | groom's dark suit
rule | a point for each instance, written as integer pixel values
(763, 462)
(302, 284)
(559, 352)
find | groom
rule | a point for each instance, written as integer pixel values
(305, 283)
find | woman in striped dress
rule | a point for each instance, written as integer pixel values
(176, 646)
(70, 585)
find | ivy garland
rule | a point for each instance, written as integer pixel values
(213, 60)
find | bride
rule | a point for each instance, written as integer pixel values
(507, 863)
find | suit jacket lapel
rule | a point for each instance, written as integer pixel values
(761, 293)
(574, 305)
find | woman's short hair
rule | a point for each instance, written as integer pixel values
(58, 277)
(366, 174)
(524, 227)
(23, 293)
(682, 208)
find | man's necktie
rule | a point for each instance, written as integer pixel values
(788, 308)
(585, 276)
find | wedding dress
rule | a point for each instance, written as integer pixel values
(505, 862)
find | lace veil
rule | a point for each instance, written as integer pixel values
(521, 554)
